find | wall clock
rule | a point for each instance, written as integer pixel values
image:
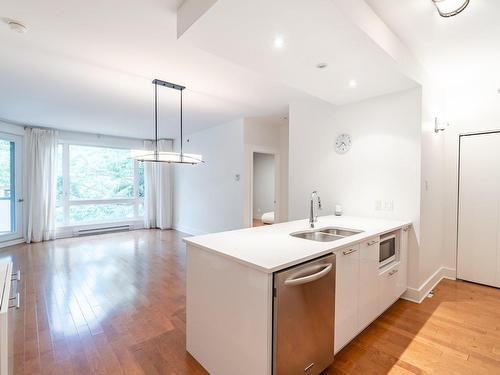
(343, 143)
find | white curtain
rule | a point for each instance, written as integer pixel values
(158, 189)
(41, 159)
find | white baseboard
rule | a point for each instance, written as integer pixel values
(189, 230)
(12, 242)
(418, 295)
(69, 231)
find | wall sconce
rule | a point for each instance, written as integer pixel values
(440, 126)
(450, 8)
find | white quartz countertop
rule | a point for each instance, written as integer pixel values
(271, 248)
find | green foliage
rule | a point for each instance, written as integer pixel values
(100, 173)
(5, 163)
(97, 173)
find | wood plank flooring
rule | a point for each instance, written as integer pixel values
(115, 304)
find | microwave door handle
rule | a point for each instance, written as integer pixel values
(307, 279)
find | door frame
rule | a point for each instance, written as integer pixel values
(248, 219)
(19, 188)
(460, 136)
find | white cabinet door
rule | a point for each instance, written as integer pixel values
(387, 284)
(346, 295)
(478, 211)
(402, 276)
(368, 284)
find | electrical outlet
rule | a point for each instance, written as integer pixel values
(389, 206)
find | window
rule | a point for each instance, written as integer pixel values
(98, 184)
(7, 186)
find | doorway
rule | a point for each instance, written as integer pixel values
(478, 245)
(10, 185)
(263, 189)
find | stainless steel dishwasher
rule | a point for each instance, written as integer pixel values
(304, 317)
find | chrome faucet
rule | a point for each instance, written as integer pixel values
(314, 218)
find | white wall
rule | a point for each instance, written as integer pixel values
(384, 163)
(207, 197)
(263, 184)
(6, 127)
(469, 108)
(267, 134)
(432, 222)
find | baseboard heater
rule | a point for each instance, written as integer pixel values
(91, 231)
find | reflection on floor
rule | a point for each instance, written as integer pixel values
(115, 304)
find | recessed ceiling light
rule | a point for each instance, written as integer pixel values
(279, 42)
(16, 26)
(353, 83)
(321, 65)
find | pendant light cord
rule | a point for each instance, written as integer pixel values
(156, 121)
(182, 157)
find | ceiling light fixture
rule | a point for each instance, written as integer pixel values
(16, 26)
(279, 42)
(450, 8)
(353, 83)
(162, 156)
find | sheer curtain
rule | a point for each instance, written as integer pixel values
(158, 190)
(41, 159)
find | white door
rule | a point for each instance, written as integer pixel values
(10, 187)
(478, 216)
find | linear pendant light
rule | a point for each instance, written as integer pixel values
(450, 8)
(157, 156)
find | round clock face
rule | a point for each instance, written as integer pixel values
(343, 143)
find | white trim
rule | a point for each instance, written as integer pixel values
(19, 191)
(189, 230)
(12, 242)
(418, 295)
(248, 211)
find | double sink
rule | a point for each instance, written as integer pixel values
(325, 234)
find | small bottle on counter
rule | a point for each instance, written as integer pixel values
(338, 210)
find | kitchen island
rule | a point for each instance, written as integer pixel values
(230, 289)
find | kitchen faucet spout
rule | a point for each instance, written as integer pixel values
(312, 216)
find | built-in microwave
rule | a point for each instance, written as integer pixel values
(388, 249)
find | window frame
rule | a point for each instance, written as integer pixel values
(67, 202)
(17, 179)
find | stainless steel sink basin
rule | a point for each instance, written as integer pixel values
(316, 236)
(325, 234)
(340, 232)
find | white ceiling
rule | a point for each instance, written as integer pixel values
(459, 49)
(88, 66)
(313, 31)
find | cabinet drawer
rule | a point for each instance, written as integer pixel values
(388, 287)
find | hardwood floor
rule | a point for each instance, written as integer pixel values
(257, 223)
(115, 304)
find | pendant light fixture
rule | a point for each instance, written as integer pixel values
(157, 156)
(450, 8)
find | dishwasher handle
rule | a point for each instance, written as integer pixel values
(307, 279)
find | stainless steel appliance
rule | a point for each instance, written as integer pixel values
(388, 249)
(304, 317)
